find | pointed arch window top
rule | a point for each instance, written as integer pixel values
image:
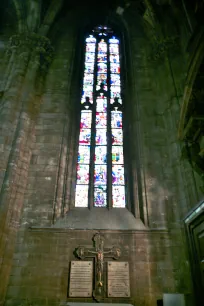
(100, 168)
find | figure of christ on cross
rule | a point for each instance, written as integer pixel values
(99, 253)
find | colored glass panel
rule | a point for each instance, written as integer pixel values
(116, 119)
(89, 67)
(88, 79)
(100, 155)
(117, 155)
(86, 118)
(118, 174)
(102, 58)
(115, 79)
(87, 92)
(102, 68)
(102, 79)
(117, 137)
(113, 101)
(114, 48)
(115, 68)
(85, 136)
(102, 47)
(90, 57)
(113, 40)
(100, 196)
(81, 196)
(84, 155)
(100, 174)
(101, 120)
(118, 196)
(114, 58)
(101, 104)
(101, 137)
(90, 47)
(90, 39)
(82, 174)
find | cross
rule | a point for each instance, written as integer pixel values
(98, 253)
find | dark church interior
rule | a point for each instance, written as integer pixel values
(102, 152)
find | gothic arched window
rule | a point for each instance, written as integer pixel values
(100, 167)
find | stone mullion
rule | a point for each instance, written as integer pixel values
(11, 197)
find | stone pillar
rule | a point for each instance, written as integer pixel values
(32, 56)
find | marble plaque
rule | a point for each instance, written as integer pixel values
(81, 279)
(118, 279)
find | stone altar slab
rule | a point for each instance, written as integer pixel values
(118, 279)
(81, 279)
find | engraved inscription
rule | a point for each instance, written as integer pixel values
(81, 276)
(118, 279)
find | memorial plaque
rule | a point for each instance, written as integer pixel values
(81, 279)
(118, 279)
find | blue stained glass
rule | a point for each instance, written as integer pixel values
(87, 92)
(101, 138)
(115, 91)
(90, 57)
(102, 68)
(100, 174)
(81, 196)
(100, 197)
(102, 58)
(101, 120)
(117, 155)
(102, 79)
(100, 155)
(89, 67)
(117, 137)
(115, 79)
(86, 118)
(85, 137)
(118, 196)
(101, 104)
(116, 119)
(114, 58)
(82, 174)
(118, 174)
(84, 154)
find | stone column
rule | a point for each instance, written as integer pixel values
(34, 61)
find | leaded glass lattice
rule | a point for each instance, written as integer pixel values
(100, 166)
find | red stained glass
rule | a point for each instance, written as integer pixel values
(100, 196)
(85, 137)
(118, 175)
(82, 174)
(101, 120)
(100, 174)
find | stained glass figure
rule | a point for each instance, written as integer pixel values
(85, 137)
(84, 155)
(117, 155)
(117, 137)
(101, 137)
(101, 67)
(118, 174)
(82, 174)
(101, 104)
(100, 174)
(100, 155)
(100, 197)
(86, 117)
(101, 120)
(118, 196)
(81, 196)
(115, 79)
(116, 119)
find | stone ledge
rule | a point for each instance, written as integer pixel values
(100, 218)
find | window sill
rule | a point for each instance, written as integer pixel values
(100, 218)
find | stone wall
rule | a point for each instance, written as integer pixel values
(42, 260)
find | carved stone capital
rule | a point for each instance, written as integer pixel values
(34, 44)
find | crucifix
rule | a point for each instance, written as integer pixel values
(99, 253)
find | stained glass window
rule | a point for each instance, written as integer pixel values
(100, 178)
